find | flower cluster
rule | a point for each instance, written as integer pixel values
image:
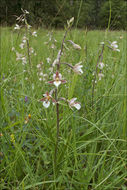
(57, 76)
(42, 76)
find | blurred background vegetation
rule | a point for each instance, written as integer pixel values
(93, 14)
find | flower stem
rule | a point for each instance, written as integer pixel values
(57, 104)
(95, 76)
(58, 126)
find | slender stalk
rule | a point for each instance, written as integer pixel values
(95, 76)
(58, 126)
(27, 42)
(57, 104)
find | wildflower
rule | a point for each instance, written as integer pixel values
(51, 69)
(72, 103)
(77, 68)
(26, 120)
(21, 45)
(31, 50)
(48, 60)
(24, 39)
(26, 98)
(57, 79)
(101, 65)
(18, 56)
(40, 79)
(46, 99)
(17, 27)
(114, 46)
(29, 116)
(12, 138)
(41, 73)
(27, 12)
(53, 46)
(13, 49)
(34, 34)
(100, 75)
(1, 134)
(56, 61)
(102, 43)
(75, 46)
(39, 66)
(24, 61)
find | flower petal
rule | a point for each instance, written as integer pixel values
(46, 104)
(57, 83)
(77, 106)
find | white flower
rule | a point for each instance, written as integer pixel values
(72, 103)
(56, 61)
(100, 75)
(102, 43)
(26, 12)
(48, 60)
(77, 68)
(34, 34)
(46, 99)
(46, 104)
(39, 66)
(114, 46)
(21, 45)
(31, 50)
(57, 79)
(51, 69)
(13, 49)
(24, 61)
(24, 39)
(53, 46)
(75, 46)
(101, 65)
(18, 56)
(41, 73)
(17, 27)
(40, 79)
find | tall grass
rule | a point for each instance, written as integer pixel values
(92, 146)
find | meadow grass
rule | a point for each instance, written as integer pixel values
(92, 146)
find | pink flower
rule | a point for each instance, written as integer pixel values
(72, 103)
(46, 99)
(57, 79)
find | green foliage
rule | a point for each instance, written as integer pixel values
(92, 148)
(89, 13)
(118, 14)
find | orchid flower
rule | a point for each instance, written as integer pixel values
(114, 46)
(46, 99)
(77, 68)
(17, 27)
(75, 46)
(34, 34)
(57, 79)
(101, 65)
(72, 103)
